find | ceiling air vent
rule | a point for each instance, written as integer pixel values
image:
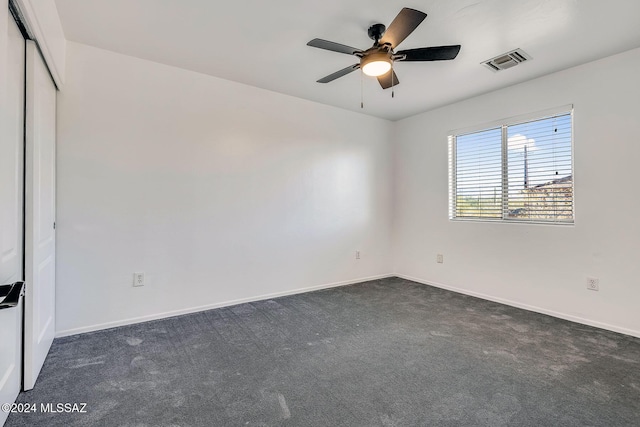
(506, 60)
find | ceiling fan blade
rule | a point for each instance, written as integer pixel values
(403, 25)
(337, 74)
(437, 53)
(334, 47)
(385, 80)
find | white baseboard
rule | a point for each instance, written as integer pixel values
(527, 307)
(189, 310)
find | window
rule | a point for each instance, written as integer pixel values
(518, 171)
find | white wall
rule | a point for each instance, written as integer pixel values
(222, 192)
(217, 191)
(535, 266)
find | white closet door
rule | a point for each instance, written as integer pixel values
(11, 187)
(40, 236)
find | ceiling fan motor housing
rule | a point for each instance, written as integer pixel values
(375, 57)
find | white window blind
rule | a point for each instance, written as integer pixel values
(515, 172)
(478, 165)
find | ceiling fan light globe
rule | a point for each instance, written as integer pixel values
(376, 64)
(376, 68)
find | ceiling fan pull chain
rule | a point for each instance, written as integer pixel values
(392, 81)
(361, 88)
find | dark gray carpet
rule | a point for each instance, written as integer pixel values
(383, 353)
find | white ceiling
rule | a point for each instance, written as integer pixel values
(263, 43)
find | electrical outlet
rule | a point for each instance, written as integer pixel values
(439, 258)
(138, 279)
(593, 283)
(357, 254)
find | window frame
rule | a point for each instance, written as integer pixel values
(504, 124)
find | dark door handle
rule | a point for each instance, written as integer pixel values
(12, 294)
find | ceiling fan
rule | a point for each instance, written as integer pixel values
(377, 61)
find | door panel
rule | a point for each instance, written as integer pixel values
(40, 215)
(11, 188)
(11, 118)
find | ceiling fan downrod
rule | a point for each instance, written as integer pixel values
(376, 31)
